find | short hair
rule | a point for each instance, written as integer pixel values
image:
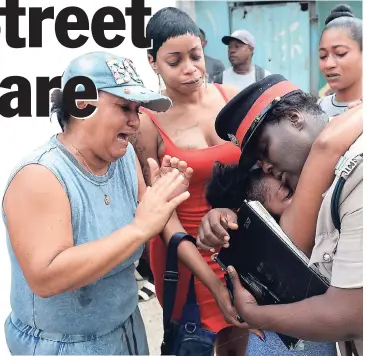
(297, 101)
(229, 186)
(202, 32)
(167, 23)
(342, 17)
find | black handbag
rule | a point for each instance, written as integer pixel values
(184, 337)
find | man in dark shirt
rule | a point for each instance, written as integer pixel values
(213, 66)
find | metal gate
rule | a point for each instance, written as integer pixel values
(282, 35)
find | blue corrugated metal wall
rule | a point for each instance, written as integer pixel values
(281, 31)
(282, 37)
(213, 18)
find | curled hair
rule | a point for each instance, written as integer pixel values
(342, 17)
(229, 186)
(59, 109)
(297, 101)
(167, 23)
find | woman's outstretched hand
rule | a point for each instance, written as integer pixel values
(168, 165)
(158, 204)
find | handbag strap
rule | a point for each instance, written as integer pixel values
(259, 73)
(351, 349)
(191, 295)
(171, 277)
(343, 169)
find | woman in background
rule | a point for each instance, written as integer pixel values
(340, 52)
(187, 131)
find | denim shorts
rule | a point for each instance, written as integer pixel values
(128, 338)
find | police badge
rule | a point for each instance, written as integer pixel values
(233, 138)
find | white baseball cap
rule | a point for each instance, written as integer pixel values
(240, 35)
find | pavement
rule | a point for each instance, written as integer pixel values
(151, 312)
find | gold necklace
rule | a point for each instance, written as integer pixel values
(107, 199)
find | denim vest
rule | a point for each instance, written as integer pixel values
(106, 303)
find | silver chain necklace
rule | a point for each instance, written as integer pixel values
(107, 199)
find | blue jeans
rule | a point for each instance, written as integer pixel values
(274, 346)
(128, 338)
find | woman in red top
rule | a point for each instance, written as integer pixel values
(186, 131)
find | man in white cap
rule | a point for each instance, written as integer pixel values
(241, 45)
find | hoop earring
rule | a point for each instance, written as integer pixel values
(160, 86)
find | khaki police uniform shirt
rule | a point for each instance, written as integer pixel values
(339, 257)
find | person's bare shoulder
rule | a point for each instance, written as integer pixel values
(145, 142)
(146, 136)
(38, 216)
(34, 182)
(230, 90)
(146, 123)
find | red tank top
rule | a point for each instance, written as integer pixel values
(201, 161)
(190, 214)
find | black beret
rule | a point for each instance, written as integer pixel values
(242, 115)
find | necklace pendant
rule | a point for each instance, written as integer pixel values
(107, 200)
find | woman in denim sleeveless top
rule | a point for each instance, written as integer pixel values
(74, 226)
